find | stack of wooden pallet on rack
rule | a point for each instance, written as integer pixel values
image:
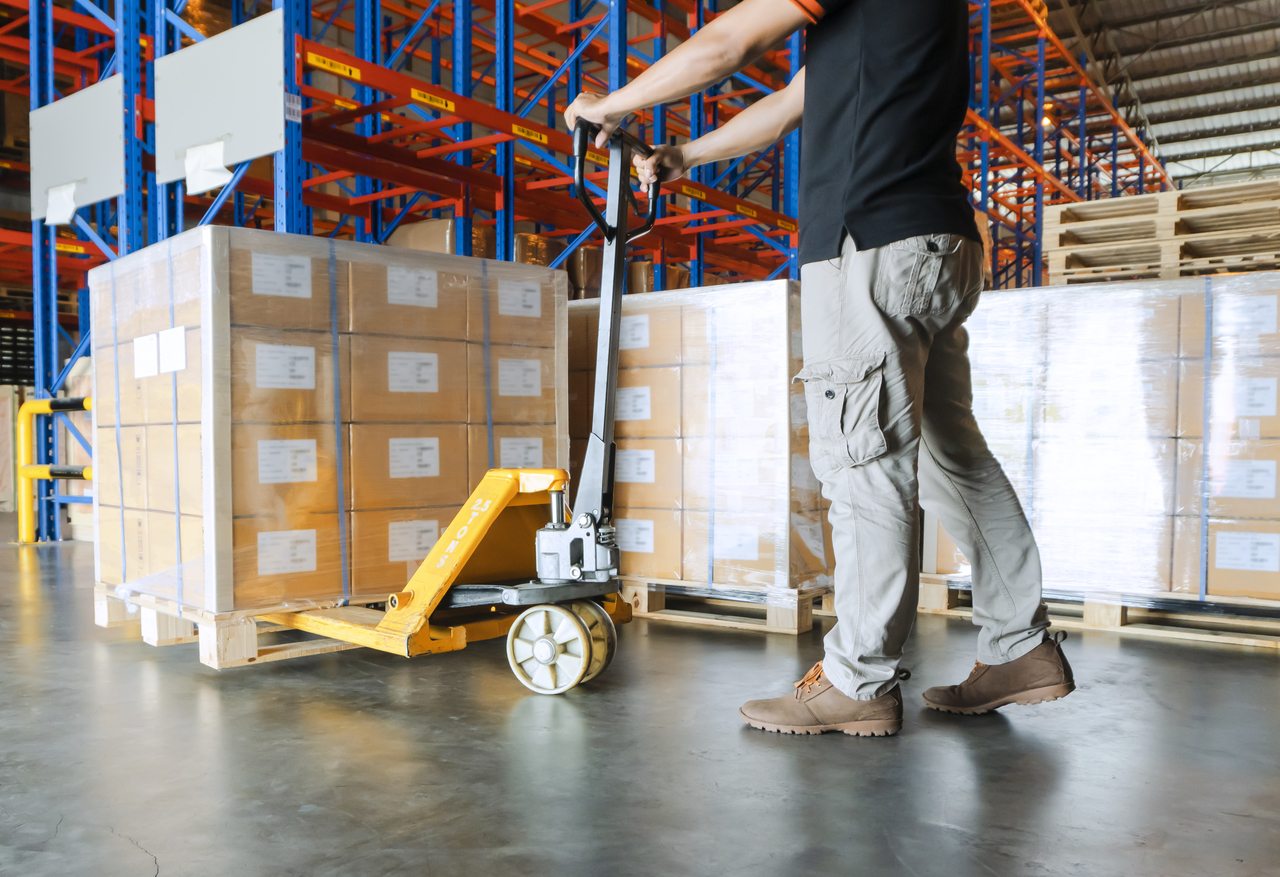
(1183, 233)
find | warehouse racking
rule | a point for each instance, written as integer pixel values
(413, 109)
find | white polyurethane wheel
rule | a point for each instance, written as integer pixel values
(549, 649)
(604, 636)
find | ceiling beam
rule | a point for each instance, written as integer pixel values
(1154, 17)
(1264, 103)
(1223, 131)
(1269, 146)
(1159, 45)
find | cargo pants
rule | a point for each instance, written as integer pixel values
(891, 429)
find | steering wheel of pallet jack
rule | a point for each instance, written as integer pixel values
(604, 636)
(549, 649)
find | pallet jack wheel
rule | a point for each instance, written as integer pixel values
(549, 649)
(604, 636)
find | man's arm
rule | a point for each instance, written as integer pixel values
(757, 127)
(725, 46)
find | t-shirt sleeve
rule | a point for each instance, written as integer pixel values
(815, 9)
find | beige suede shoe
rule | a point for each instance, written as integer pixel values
(818, 706)
(1040, 675)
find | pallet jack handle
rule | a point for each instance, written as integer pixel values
(583, 135)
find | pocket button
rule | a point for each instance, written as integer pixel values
(831, 394)
(932, 246)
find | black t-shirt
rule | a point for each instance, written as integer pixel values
(886, 89)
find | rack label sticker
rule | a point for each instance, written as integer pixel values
(634, 535)
(736, 542)
(597, 157)
(146, 357)
(336, 67)
(411, 540)
(745, 210)
(633, 332)
(633, 403)
(1256, 552)
(786, 225)
(284, 461)
(415, 287)
(528, 134)
(520, 453)
(173, 349)
(1255, 397)
(519, 298)
(1248, 315)
(519, 377)
(691, 192)
(414, 457)
(1244, 479)
(69, 248)
(431, 100)
(412, 372)
(288, 276)
(634, 467)
(286, 551)
(284, 367)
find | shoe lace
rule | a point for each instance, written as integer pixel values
(977, 665)
(812, 678)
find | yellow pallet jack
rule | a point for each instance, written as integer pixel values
(511, 562)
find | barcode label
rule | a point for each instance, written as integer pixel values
(288, 276)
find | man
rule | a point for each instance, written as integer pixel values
(891, 268)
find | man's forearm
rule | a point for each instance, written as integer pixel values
(757, 127)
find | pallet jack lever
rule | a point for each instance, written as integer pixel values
(583, 135)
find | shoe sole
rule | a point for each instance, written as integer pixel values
(1022, 698)
(878, 728)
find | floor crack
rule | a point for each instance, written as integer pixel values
(59, 825)
(141, 847)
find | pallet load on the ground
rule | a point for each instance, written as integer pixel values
(714, 496)
(1165, 235)
(284, 421)
(1094, 399)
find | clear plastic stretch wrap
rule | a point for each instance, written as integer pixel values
(713, 484)
(1095, 400)
(286, 421)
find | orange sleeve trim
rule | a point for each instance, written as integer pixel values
(812, 8)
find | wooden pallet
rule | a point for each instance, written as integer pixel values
(768, 610)
(1109, 613)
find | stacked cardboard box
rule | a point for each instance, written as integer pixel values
(281, 420)
(712, 477)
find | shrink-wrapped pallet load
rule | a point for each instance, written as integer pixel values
(283, 420)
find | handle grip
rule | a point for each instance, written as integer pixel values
(583, 135)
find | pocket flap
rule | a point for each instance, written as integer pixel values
(930, 244)
(846, 371)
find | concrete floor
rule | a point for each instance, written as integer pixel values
(121, 759)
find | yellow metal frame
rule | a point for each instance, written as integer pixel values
(28, 471)
(491, 539)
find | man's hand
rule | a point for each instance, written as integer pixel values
(665, 164)
(594, 108)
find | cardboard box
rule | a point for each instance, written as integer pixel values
(1109, 397)
(285, 377)
(647, 403)
(1128, 323)
(163, 466)
(404, 465)
(748, 549)
(650, 541)
(1244, 321)
(1243, 398)
(536, 249)
(1242, 478)
(582, 351)
(648, 473)
(273, 285)
(1085, 553)
(286, 559)
(173, 541)
(647, 335)
(520, 384)
(123, 462)
(749, 402)
(738, 334)
(277, 469)
(1107, 476)
(744, 474)
(1244, 558)
(387, 547)
(585, 265)
(431, 235)
(522, 309)
(577, 455)
(514, 447)
(581, 397)
(409, 299)
(409, 380)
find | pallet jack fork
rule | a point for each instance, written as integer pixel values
(511, 563)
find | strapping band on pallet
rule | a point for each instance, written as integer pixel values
(337, 417)
(115, 364)
(488, 384)
(1204, 442)
(173, 384)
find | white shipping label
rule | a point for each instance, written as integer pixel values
(285, 367)
(634, 467)
(1244, 315)
(633, 332)
(1255, 397)
(632, 404)
(173, 349)
(409, 372)
(411, 540)
(736, 542)
(415, 287)
(520, 453)
(1245, 479)
(287, 460)
(146, 357)
(634, 535)
(1256, 552)
(735, 399)
(519, 298)
(414, 457)
(1249, 428)
(286, 551)
(289, 276)
(519, 377)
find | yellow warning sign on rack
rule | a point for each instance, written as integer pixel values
(335, 67)
(528, 134)
(431, 100)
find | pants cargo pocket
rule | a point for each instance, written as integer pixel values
(844, 412)
(924, 275)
